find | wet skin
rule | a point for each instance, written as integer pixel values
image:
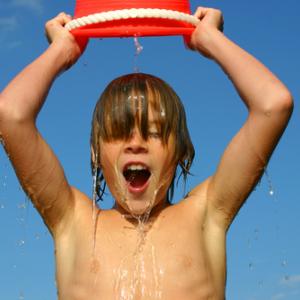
(173, 260)
(152, 154)
(144, 248)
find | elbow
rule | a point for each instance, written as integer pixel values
(3, 107)
(285, 102)
(4, 111)
(280, 103)
(10, 113)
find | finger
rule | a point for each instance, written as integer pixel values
(63, 18)
(200, 12)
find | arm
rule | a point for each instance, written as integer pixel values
(37, 168)
(269, 105)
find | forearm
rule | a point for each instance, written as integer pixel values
(24, 96)
(257, 86)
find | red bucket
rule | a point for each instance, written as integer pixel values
(125, 18)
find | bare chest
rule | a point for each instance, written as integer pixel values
(161, 262)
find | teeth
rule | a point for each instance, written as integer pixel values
(136, 168)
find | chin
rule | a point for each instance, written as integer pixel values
(137, 207)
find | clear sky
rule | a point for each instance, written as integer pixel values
(264, 240)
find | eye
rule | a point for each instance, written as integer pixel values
(153, 133)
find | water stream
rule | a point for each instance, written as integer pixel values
(138, 49)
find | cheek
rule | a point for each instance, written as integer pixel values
(166, 164)
(108, 160)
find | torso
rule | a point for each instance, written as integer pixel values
(178, 255)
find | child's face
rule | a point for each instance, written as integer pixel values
(137, 171)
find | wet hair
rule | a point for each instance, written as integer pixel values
(124, 105)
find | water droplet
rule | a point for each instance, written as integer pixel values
(21, 296)
(286, 278)
(249, 243)
(2, 206)
(37, 236)
(20, 220)
(22, 206)
(21, 243)
(284, 263)
(138, 49)
(270, 185)
(251, 266)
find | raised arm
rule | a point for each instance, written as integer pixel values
(37, 168)
(269, 105)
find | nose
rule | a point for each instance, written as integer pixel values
(136, 144)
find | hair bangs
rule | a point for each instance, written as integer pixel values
(126, 107)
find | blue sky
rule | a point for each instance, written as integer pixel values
(263, 242)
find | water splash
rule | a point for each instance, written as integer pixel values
(4, 183)
(286, 278)
(138, 46)
(94, 195)
(269, 182)
(21, 243)
(284, 263)
(251, 266)
(138, 49)
(261, 284)
(95, 208)
(21, 296)
(138, 274)
(2, 141)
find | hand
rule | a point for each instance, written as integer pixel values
(56, 33)
(211, 20)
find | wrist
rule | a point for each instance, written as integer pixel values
(65, 53)
(206, 41)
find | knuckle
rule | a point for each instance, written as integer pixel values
(48, 24)
(219, 12)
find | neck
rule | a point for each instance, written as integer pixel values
(147, 217)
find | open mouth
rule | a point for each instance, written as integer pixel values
(136, 175)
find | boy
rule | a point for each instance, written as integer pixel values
(143, 248)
